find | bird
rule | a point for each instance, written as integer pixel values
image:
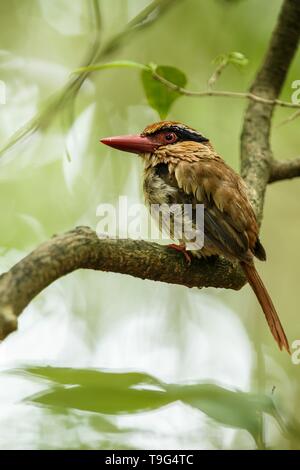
(181, 167)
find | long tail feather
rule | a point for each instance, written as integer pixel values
(267, 305)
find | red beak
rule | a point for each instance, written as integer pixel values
(131, 143)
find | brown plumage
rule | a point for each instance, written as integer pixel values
(182, 167)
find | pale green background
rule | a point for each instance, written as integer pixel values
(92, 319)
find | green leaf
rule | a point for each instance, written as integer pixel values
(234, 58)
(237, 58)
(158, 95)
(112, 393)
(228, 407)
(98, 391)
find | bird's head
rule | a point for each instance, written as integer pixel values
(155, 138)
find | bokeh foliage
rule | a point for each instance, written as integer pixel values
(203, 361)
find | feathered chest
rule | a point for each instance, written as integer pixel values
(168, 206)
(160, 186)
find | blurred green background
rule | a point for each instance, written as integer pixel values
(208, 372)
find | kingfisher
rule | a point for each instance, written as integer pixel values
(181, 167)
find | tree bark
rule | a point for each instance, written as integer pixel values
(256, 153)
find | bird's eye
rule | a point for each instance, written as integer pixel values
(170, 137)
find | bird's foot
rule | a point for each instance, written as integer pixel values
(183, 250)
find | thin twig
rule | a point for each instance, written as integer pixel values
(225, 94)
(290, 118)
(216, 74)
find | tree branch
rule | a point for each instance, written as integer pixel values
(256, 153)
(284, 170)
(81, 248)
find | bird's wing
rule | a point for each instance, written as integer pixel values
(229, 221)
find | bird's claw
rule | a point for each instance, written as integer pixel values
(182, 249)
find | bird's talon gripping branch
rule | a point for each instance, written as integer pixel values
(182, 249)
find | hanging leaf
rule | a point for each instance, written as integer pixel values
(118, 393)
(159, 96)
